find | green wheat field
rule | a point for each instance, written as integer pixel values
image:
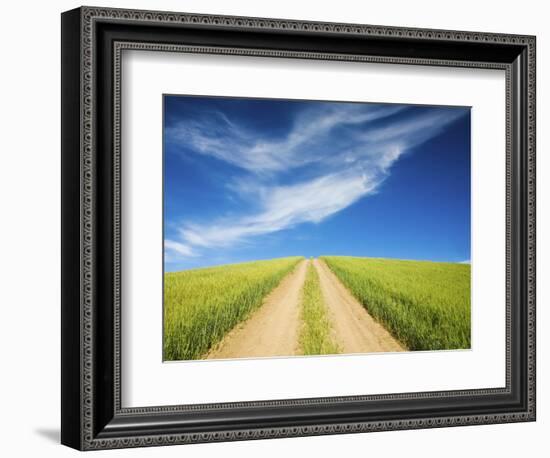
(202, 305)
(424, 305)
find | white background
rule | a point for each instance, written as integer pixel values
(29, 250)
(148, 75)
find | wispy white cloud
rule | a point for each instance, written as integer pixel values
(217, 136)
(284, 207)
(178, 248)
(348, 151)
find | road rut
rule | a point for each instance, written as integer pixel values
(355, 330)
(273, 330)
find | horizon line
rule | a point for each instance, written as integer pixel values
(467, 262)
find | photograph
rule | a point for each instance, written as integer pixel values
(301, 228)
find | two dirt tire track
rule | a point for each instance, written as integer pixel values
(273, 330)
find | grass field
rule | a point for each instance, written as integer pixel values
(315, 335)
(202, 305)
(425, 305)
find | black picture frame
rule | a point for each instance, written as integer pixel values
(92, 42)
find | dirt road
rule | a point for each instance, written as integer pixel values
(355, 330)
(273, 329)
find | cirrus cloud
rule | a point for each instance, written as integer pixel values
(339, 154)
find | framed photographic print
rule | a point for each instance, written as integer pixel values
(276, 228)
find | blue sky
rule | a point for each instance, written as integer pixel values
(250, 179)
